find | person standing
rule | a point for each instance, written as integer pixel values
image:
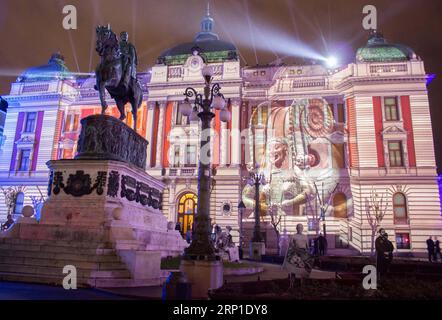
(437, 249)
(430, 248)
(322, 244)
(384, 252)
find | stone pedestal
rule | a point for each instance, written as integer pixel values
(106, 199)
(203, 275)
(257, 249)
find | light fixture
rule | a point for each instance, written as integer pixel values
(218, 102)
(186, 108)
(194, 115)
(331, 62)
(207, 71)
(225, 115)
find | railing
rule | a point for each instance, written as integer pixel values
(174, 172)
(388, 68)
(35, 88)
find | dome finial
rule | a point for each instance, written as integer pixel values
(208, 8)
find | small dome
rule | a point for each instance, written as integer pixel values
(206, 42)
(378, 49)
(54, 69)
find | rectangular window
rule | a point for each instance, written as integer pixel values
(77, 121)
(67, 123)
(190, 156)
(176, 156)
(403, 241)
(395, 153)
(30, 121)
(341, 113)
(338, 155)
(391, 109)
(24, 161)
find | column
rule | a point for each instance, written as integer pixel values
(159, 156)
(236, 133)
(149, 129)
(224, 144)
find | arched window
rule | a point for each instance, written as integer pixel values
(340, 205)
(19, 201)
(400, 213)
(186, 211)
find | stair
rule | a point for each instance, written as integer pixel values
(41, 261)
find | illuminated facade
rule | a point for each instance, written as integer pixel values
(337, 136)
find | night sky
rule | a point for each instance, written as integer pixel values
(261, 29)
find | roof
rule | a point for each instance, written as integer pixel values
(378, 49)
(206, 42)
(54, 69)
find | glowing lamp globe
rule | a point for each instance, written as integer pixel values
(218, 102)
(186, 108)
(194, 115)
(225, 115)
(207, 71)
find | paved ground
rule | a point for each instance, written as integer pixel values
(27, 291)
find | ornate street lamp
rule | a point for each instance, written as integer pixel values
(241, 208)
(256, 179)
(201, 246)
(257, 245)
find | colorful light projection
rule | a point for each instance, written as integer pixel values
(300, 150)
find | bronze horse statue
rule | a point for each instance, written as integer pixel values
(109, 74)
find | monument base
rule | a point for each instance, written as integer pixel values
(203, 275)
(104, 218)
(257, 249)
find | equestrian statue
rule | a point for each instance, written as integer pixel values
(117, 72)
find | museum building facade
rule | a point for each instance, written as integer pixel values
(342, 140)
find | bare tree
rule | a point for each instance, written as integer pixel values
(312, 202)
(37, 200)
(275, 220)
(375, 208)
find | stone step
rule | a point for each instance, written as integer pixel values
(60, 256)
(42, 262)
(58, 271)
(81, 282)
(31, 278)
(123, 283)
(56, 249)
(58, 243)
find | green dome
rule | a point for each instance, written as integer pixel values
(54, 69)
(378, 49)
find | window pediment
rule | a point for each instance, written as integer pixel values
(393, 131)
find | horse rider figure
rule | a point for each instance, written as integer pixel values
(128, 58)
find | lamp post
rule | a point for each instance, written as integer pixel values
(201, 246)
(241, 208)
(257, 244)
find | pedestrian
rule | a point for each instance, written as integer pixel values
(430, 248)
(437, 249)
(315, 246)
(322, 244)
(384, 253)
